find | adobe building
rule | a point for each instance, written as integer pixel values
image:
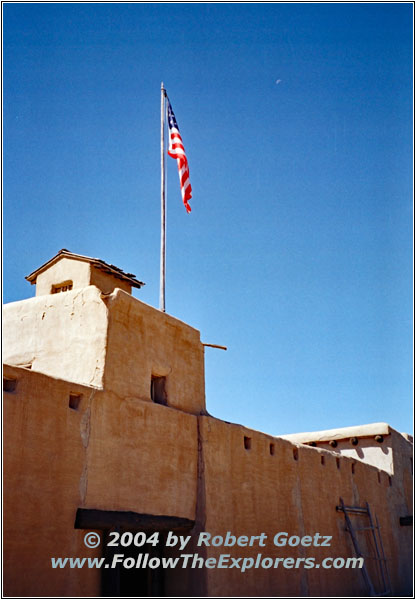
(106, 431)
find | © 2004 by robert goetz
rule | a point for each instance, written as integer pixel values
(205, 539)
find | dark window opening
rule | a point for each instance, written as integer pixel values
(66, 286)
(9, 385)
(338, 463)
(271, 448)
(158, 390)
(247, 443)
(295, 454)
(74, 401)
(322, 459)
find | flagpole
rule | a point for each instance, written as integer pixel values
(162, 306)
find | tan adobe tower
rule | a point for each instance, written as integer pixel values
(94, 332)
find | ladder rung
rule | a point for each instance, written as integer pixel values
(353, 509)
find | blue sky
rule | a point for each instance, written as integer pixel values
(297, 255)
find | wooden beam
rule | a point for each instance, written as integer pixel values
(87, 518)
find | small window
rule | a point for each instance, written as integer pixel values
(158, 390)
(74, 401)
(66, 286)
(247, 443)
(9, 385)
(271, 448)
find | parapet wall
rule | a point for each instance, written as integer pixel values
(144, 342)
(62, 335)
(372, 443)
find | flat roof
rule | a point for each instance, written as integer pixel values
(341, 433)
(95, 262)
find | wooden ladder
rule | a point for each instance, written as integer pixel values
(379, 555)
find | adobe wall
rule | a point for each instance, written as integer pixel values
(136, 456)
(295, 490)
(107, 282)
(373, 444)
(108, 455)
(142, 342)
(367, 450)
(403, 471)
(44, 459)
(63, 335)
(113, 341)
(142, 457)
(63, 270)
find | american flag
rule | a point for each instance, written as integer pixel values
(176, 150)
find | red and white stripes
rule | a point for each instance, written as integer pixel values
(177, 150)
